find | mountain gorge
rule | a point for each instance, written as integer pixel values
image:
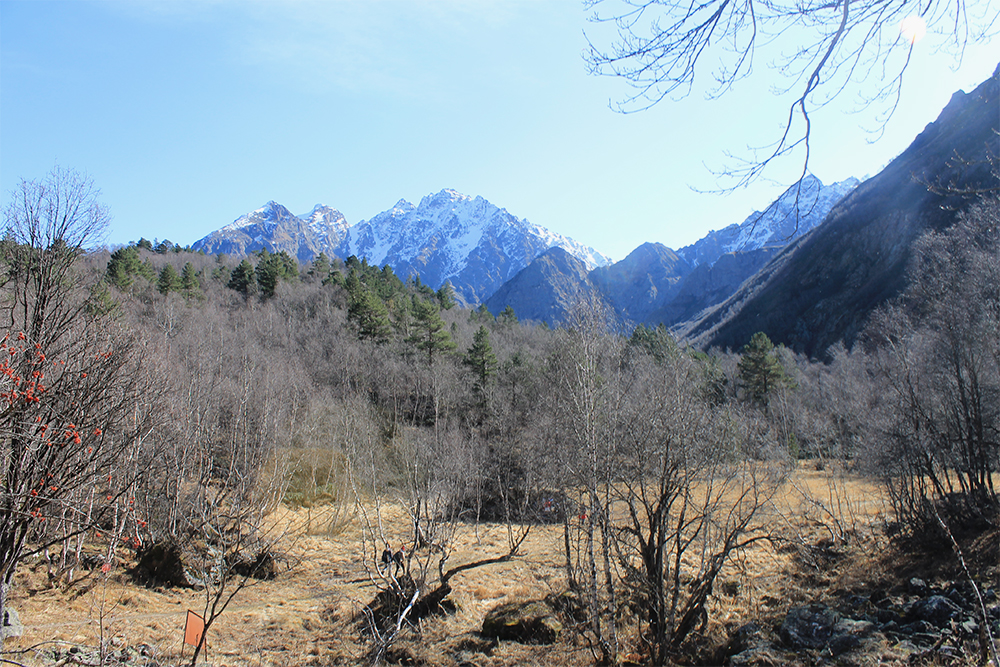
(655, 285)
(812, 267)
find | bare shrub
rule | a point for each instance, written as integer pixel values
(76, 400)
(934, 357)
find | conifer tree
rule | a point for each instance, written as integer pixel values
(273, 268)
(243, 279)
(507, 316)
(320, 268)
(480, 358)
(657, 343)
(446, 296)
(125, 265)
(168, 281)
(190, 285)
(430, 332)
(370, 314)
(760, 369)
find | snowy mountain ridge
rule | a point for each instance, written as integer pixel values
(455, 225)
(798, 210)
(448, 236)
(478, 247)
(453, 237)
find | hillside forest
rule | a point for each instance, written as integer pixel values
(159, 403)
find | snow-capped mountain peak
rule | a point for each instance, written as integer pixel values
(448, 236)
(797, 211)
(268, 214)
(325, 220)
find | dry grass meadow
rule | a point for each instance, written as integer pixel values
(829, 540)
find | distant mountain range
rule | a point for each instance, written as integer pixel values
(449, 236)
(481, 250)
(811, 268)
(807, 270)
(656, 285)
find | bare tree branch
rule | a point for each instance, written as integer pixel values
(664, 47)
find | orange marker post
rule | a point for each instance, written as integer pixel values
(194, 631)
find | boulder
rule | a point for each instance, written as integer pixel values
(811, 626)
(264, 566)
(161, 564)
(748, 647)
(936, 610)
(917, 586)
(818, 627)
(842, 644)
(524, 622)
(12, 626)
(746, 637)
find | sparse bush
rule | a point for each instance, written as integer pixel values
(934, 358)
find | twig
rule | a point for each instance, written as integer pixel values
(984, 628)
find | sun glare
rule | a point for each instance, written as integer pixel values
(913, 28)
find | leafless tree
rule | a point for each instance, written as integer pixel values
(77, 399)
(424, 472)
(235, 393)
(822, 49)
(935, 358)
(589, 394)
(662, 485)
(693, 488)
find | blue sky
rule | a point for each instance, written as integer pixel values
(189, 114)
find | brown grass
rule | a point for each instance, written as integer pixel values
(825, 522)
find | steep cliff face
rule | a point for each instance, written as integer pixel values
(823, 287)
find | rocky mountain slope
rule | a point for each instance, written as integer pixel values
(798, 210)
(649, 276)
(274, 228)
(710, 284)
(448, 236)
(654, 285)
(453, 237)
(822, 288)
(547, 290)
